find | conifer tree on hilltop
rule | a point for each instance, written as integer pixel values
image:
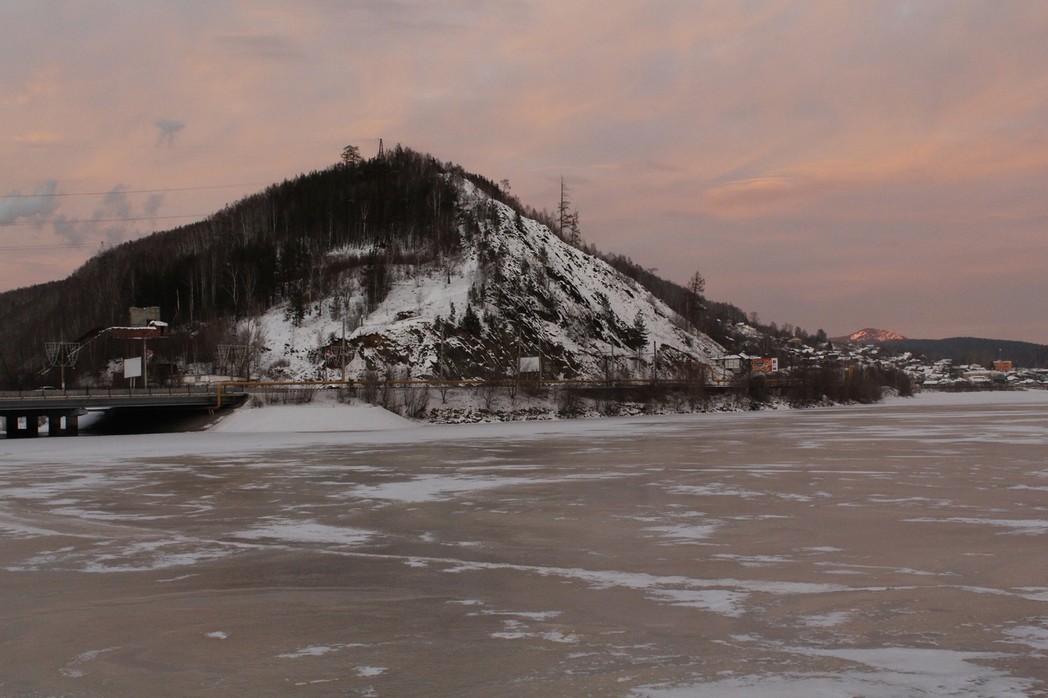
(568, 217)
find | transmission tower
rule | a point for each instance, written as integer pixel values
(62, 354)
(231, 356)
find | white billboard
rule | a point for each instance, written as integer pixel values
(133, 367)
(529, 364)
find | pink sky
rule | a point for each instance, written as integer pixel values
(831, 165)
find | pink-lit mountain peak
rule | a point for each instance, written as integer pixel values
(870, 335)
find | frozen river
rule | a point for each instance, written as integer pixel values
(893, 550)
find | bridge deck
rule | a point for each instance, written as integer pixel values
(21, 410)
(49, 400)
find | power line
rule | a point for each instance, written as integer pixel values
(131, 191)
(175, 146)
(72, 246)
(105, 220)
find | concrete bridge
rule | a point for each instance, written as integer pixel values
(22, 410)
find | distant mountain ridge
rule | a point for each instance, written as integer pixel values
(869, 335)
(960, 350)
(974, 350)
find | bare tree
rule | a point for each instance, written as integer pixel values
(568, 217)
(564, 208)
(416, 400)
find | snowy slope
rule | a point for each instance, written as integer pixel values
(319, 416)
(871, 335)
(537, 295)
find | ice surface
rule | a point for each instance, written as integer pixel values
(598, 557)
(307, 532)
(274, 419)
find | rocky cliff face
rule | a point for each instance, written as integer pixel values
(513, 292)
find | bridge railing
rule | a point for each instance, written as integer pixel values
(48, 393)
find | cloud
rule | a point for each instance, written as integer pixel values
(168, 129)
(758, 195)
(269, 47)
(109, 222)
(35, 206)
(152, 205)
(750, 140)
(38, 138)
(40, 84)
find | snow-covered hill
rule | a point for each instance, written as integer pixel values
(870, 335)
(513, 291)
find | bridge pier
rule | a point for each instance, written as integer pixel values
(26, 425)
(63, 424)
(21, 426)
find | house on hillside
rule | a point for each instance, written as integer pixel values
(735, 363)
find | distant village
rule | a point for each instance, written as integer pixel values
(938, 375)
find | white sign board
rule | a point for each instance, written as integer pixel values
(133, 367)
(530, 364)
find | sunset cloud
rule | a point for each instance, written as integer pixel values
(804, 154)
(16, 206)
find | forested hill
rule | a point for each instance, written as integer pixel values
(244, 258)
(336, 243)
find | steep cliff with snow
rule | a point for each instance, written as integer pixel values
(511, 292)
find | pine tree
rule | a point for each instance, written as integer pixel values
(638, 333)
(695, 305)
(697, 284)
(351, 155)
(470, 321)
